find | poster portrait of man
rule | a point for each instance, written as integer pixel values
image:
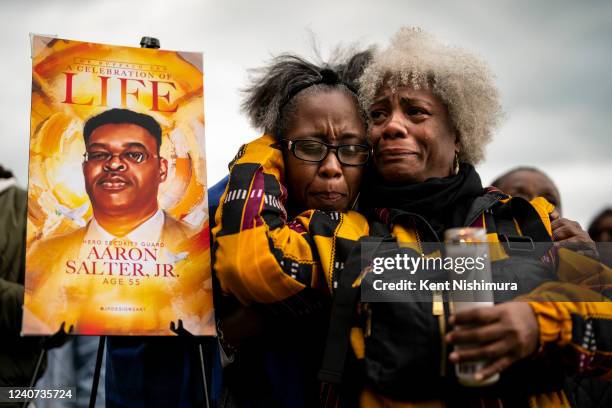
(123, 168)
(132, 255)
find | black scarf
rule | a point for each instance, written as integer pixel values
(442, 202)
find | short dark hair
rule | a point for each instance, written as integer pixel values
(594, 228)
(499, 181)
(118, 116)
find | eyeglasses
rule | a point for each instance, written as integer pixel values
(130, 156)
(315, 152)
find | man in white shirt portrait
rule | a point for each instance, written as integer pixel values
(128, 242)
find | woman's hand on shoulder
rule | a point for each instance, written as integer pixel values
(570, 235)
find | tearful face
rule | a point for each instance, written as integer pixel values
(331, 117)
(412, 135)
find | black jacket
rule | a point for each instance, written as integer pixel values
(17, 355)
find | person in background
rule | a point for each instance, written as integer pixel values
(529, 183)
(600, 228)
(18, 355)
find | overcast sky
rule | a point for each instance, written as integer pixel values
(552, 60)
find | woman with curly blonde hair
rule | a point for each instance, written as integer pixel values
(432, 109)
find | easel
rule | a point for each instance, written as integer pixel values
(97, 369)
(57, 340)
(61, 336)
(182, 332)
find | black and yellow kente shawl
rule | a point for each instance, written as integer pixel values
(262, 257)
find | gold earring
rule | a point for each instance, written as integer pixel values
(456, 163)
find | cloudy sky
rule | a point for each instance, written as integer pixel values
(552, 60)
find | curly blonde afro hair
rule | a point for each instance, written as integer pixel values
(457, 76)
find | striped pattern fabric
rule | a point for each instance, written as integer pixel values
(262, 257)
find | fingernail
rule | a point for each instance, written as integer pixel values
(454, 357)
(478, 376)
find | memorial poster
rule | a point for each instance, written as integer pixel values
(118, 225)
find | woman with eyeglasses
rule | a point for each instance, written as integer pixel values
(306, 168)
